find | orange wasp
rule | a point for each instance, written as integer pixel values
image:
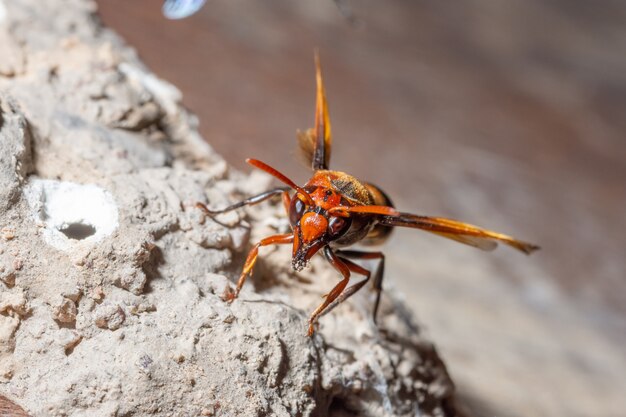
(334, 210)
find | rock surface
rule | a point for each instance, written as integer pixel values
(506, 115)
(111, 280)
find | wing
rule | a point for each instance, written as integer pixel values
(306, 146)
(315, 143)
(455, 230)
(180, 9)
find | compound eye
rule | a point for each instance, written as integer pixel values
(338, 226)
(296, 210)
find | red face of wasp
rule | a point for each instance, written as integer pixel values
(313, 228)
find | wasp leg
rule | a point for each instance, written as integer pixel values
(378, 275)
(252, 257)
(248, 201)
(351, 289)
(344, 270)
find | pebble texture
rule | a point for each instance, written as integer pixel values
(132, 323)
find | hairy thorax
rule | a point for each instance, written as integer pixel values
(335, 188)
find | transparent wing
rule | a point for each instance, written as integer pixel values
(306, 146)
(180, 9)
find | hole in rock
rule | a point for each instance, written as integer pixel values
(78, 231)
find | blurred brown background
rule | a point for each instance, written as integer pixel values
(506, 114)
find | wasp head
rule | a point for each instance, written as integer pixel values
(313, 228)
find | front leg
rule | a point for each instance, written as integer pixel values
(251, 260)
(340, 266)
(349, 291)
(378, 275)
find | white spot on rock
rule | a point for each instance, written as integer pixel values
(71, 214)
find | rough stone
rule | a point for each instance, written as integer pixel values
(110, 317)
(15, 160)
(152, 335)
(65, 311)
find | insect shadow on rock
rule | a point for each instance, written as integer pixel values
(334, 210)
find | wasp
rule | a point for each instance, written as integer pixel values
(335, 210)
